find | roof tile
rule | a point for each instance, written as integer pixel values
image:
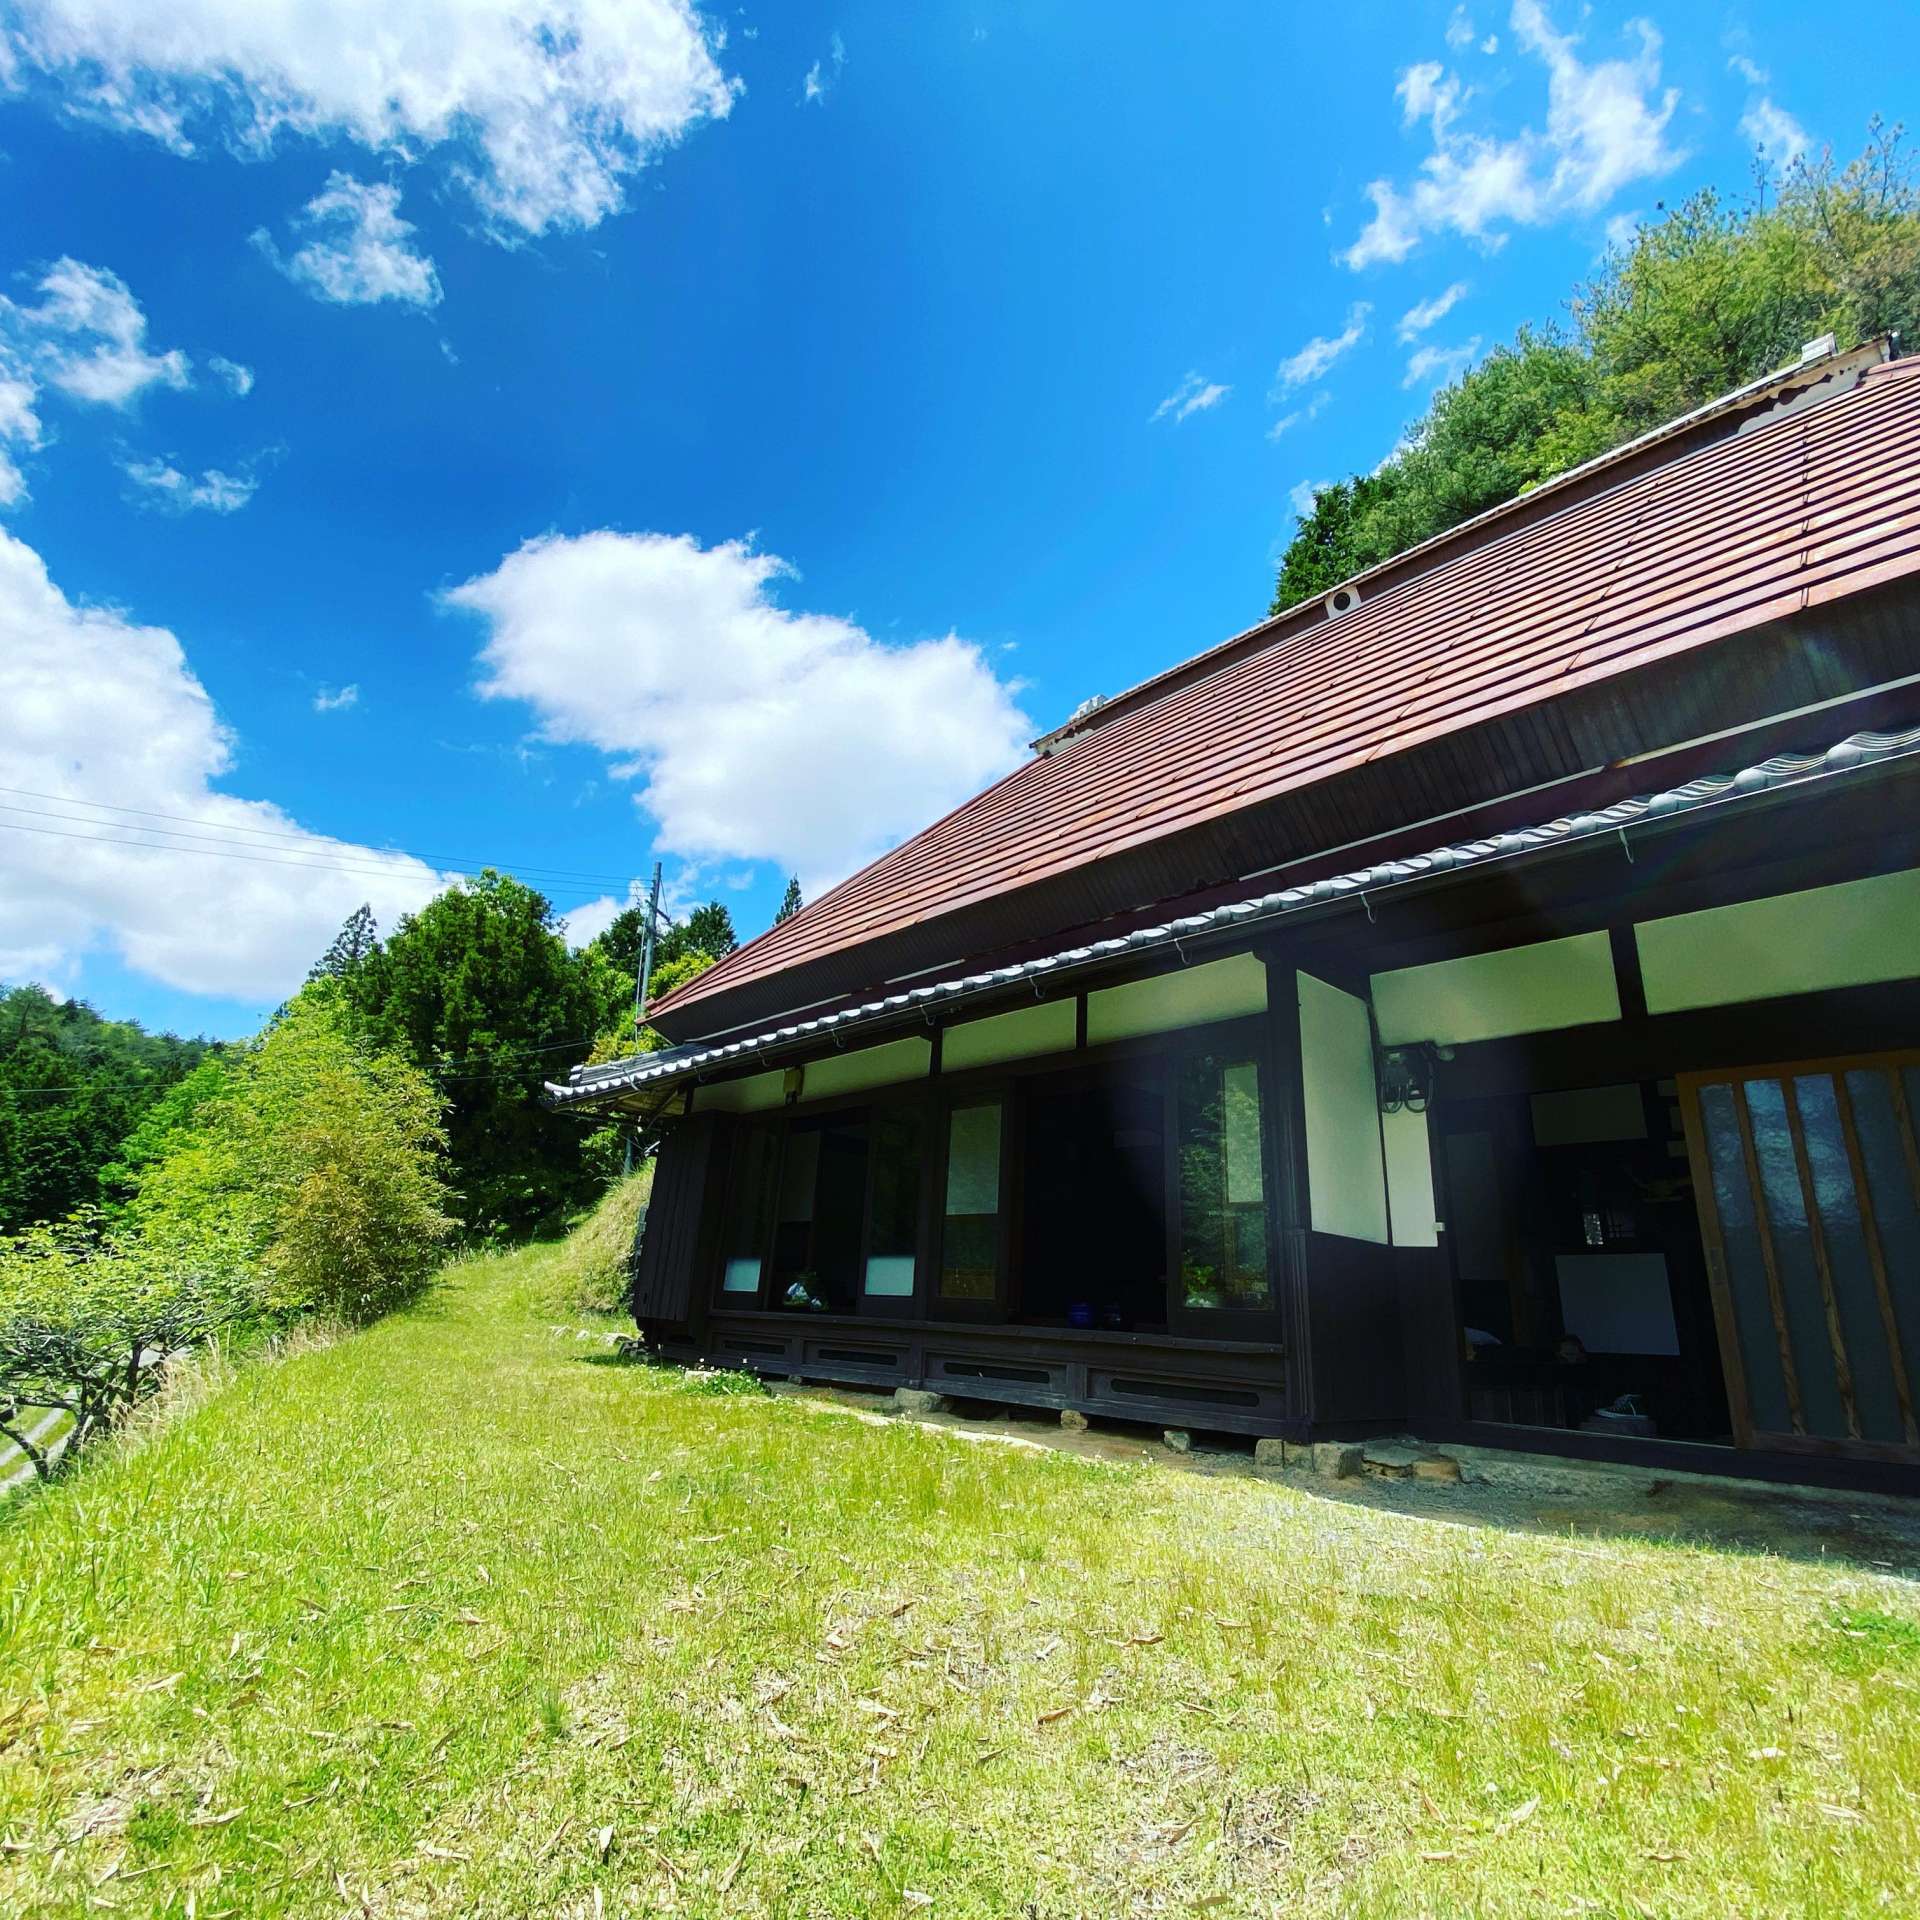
(1788, 512)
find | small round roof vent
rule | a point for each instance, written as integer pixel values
(1342, 600)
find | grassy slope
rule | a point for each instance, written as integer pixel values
(458, 1616)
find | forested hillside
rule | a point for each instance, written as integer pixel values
(1698, 302)
(73, 1086)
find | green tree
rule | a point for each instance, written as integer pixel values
(314, 1172)
(72, 1087)
(619, 1040)
(357, 938)
(707, 930)
(480, 988)
(1708, 297)
(790, 901)
(173, 1115)
(1327, 546)
(88, 1324)
(622, 940)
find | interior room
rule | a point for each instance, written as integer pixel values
(1093, 1239)
(1576, 1251)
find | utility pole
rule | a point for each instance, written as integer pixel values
(646, 956)
(641, 978)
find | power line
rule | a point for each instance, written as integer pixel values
(432, 1066)
(446, 1079)
(270, 834)
(167, 836)
(211, 853)
(208, 852)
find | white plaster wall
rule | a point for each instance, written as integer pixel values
(1847, 935)
(1410, 1200)
(1217, 990)
(1487, 996)
(880, 1066)
(1048, 1026)
(751, 1095)
(1346, 1176)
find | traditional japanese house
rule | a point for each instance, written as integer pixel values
(1481, 1002)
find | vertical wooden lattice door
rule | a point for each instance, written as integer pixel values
(1807, 1178)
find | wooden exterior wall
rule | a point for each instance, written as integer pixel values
(1363, 1336)
(670, 1277)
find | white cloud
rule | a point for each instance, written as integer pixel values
(165, 485)
(761, 734)
(1460, 30)
(1429, 92)
(100, 709)
(88, 337)
(86, 340)
(821, 77)
(1748, 70)
(335, 699)
(547, 106)
(1438, 365)
(1311, 411)
(1194, 394)
(586, 923)
(362, 250)
(1303, 494)
(20, 430)
(1417, 319)
(1780, 138)
(1314, 360)
(1606, 126)
(1621, 228)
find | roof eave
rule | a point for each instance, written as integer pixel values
(1240, 922)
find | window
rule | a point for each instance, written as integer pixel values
(970, 1225)
(1223, 1213)
(749, 1197)
(823, 1187)
(893, 1222)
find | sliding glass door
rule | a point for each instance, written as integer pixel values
(1808, 1178)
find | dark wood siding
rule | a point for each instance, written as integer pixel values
(668, 1291)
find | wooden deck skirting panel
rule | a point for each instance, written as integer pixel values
(1159, 1379)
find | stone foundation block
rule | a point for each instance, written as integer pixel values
(1336, 1459)
(920, 1400)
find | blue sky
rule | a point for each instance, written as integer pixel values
(719, 436)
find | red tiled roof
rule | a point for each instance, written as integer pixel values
(1790, 513)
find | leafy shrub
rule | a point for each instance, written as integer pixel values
(720, 1382)
(88, 1323)
(317, 1167)
(596, 1257)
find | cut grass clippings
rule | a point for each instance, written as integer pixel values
(461, 1615)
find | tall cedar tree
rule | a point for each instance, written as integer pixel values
(356, 939)
(480, 988)
(790, 902)
(1693, 306)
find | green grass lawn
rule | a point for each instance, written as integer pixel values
(462, 1616)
